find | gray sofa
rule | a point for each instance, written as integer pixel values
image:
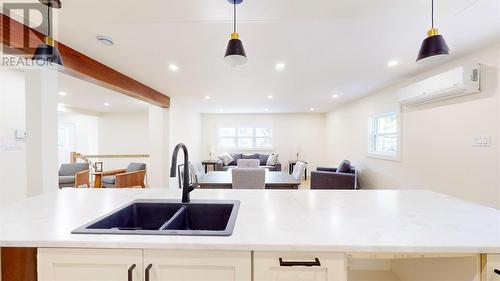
(236, 156)
(329, 178)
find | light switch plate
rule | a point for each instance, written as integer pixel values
(481, 141)
(11, 145)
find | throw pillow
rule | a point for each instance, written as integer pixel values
(236, 157)
(250, 156)
(225, 158)
(272, 160)
(263, 159)
(344, 167)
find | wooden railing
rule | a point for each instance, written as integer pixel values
(74, 156)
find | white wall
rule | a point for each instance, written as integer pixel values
(184, 127)
(123, 133)
(437, 151)
(85, 136)
(12, 117)
(290, 131)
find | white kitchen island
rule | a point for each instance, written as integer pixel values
(354, 235)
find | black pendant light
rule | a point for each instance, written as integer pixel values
(235, 53)
(434, 44)
(47, 52)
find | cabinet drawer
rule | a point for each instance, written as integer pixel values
(171, 265)
(299, 266)
(492, 269)
(89, 264)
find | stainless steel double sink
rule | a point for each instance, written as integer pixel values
(167, 217)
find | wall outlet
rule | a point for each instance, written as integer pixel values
(481, 141)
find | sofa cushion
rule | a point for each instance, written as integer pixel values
(236, 157)
(250, 156)
(272, 160)
(225, 158)
(109, 179)
(66, 179)
(263, 159)
(226, 168)
(134, 167)
(344, 167)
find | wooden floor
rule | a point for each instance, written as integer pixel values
(306, 184)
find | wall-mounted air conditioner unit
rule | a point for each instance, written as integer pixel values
(460, 81)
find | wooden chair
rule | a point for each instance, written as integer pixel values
(132, 176)
(74, 175)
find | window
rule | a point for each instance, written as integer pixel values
(384, 136)
(245, 138)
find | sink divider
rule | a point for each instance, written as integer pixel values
(179, 212)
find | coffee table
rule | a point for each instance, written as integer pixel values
(223, 180)
(97, 179)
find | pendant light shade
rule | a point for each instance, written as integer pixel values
(235, 52)
(47, 53)
(434, 44)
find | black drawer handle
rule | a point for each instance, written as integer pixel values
(130, 272)
(147, 272)
(497, 271)
(300, 263)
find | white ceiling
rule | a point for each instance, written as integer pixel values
(329, 47)
(90, 97)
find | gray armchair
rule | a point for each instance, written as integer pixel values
(74, 175)
(329, 178)
(133, 176)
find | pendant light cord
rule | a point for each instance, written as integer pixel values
(432, 12)
(48, 19)
(234, 16)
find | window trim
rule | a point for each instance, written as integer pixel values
(236, 137)
(371, 138)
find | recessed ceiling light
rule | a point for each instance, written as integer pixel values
(312, 109)
(106, 104)
(221, 110)
(105, 40)
(280, 66)
(208, 97)
(335, 96)
(270, 97)
(61, 104)
(392, 63)
(266, 109)
(63, 94)
(173, 67)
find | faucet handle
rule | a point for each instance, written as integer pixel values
(195, 184)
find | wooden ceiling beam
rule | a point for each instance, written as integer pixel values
(21, 39)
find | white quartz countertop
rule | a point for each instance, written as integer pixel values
(299, 220)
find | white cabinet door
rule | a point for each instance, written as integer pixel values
(166, 265)
(299, 266)
(89, 264)
(492, 270)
